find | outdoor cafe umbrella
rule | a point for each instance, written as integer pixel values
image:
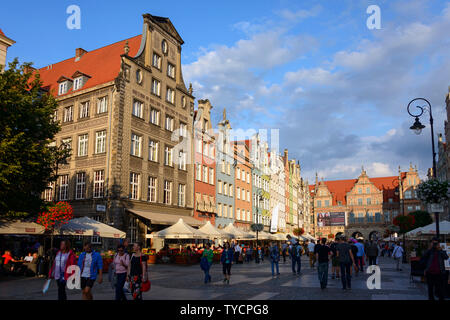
(212, 232)
(236, 233)
(20, 227)
(263, 235)
(444, 228)
(179, 230)
(85, 226)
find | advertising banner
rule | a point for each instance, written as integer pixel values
(274, 224)
(330, 219)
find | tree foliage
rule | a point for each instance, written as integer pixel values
(422, 218)
(27, 128)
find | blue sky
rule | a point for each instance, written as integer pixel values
(336, 90)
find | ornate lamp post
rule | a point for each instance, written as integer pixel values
(417, 128)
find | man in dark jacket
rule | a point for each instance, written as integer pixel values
(433, 260)
(372, 253)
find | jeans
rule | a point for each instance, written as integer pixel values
(435, 281)
(372, 261)
(272, 264)
(207, 276)
(296, 260)
(62, 296)
(121, 278)
(359, 263)
(346, 278)
(322, 270)
(398, 262)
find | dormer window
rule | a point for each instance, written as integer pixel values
(78, 83)
(63, 87)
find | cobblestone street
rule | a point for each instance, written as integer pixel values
(248, 282)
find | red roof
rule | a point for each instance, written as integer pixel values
(102, 65)
(1, 33)
(340, 188)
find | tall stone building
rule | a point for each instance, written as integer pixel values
(243, 185)
(224, 174)
(277, 190)
(5, 43)
(126, 113)
(364, 206)
(205, 164)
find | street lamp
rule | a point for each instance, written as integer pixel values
(417, 128)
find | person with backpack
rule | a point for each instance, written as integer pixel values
(346, 260)
(120, 265)
(274, 255)
(206, 261)
(137, 272)
(91, 264)
(295, 253)
(227, 259)
(397, 253)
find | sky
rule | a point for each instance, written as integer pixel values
(336, 91)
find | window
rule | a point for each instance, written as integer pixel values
(225, 188)
(152, 183)
(64, 187)
(390, 200)
(99, 183)
(198, 172)
(84, 109)
(368, 190)
(168, 153)
(81, 186)
(63, 87)
(248, 177)
(205, 149)
(48, 193)
(360, 201)
(238, 173)
(410, 208)
(359, 190)
(164, 47)
(171, 70)
(205, 174)
(231, 190)
(243, 194)
(138, 108)
(183, 102)
(95, 239)
(136, 142)
(156, 87)
(83, 145)
(377, 217)
(248, 196)
(408, 194)
(387, 216)
(183, 129)
(219, 187)
(370, 217)
(219, 209)
(100, 141)
(134, 186)
(102, 104)
(182, 160)
(153, 150)
(156, 62)
(223, 166)
(77, 83)
(211, 150)
(169, 123)
(369, 201)
(139, 76)
(211, 176)
(327, 203)
(351, 217)
(319, 203)
(68, 114)
(181, 195)
(230, 212)
(228, 169)
(238, 193)
(361, 217)
(170, 95)
(418, 208)
(67, 143)
(167, 192)
(154, 116)
(133, 227)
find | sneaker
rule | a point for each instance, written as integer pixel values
(228, 281)
(224, 280)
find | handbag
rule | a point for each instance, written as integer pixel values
(145, 285)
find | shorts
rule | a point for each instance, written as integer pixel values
(86, 282)
(227, 268)
(335, 262)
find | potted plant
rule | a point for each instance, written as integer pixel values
(298, 231)
(433, 191)
(151, 256)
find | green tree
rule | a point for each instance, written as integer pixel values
(27, 129)
(422, 218)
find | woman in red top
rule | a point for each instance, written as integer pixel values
(64, 258)
(7, 259)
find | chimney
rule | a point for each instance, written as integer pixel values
(28, 69)
(79, 53)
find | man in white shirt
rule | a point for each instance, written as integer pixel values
(237, 253)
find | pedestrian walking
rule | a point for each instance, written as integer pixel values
(354, 249)
(295, 254)
(346, 260)
(226, 259)
(322, 252)
(274, 255)
(334, 261)
(121, 262)
(360, 254)
(207, 257)
(397, 253)
(372, 253)
(248, 253)
(312, 256)
(64, 258)
(137, 271)
(90, 264)
(435, 273)
(237, 253)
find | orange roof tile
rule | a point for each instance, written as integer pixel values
(1, 32)
(102, 65)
